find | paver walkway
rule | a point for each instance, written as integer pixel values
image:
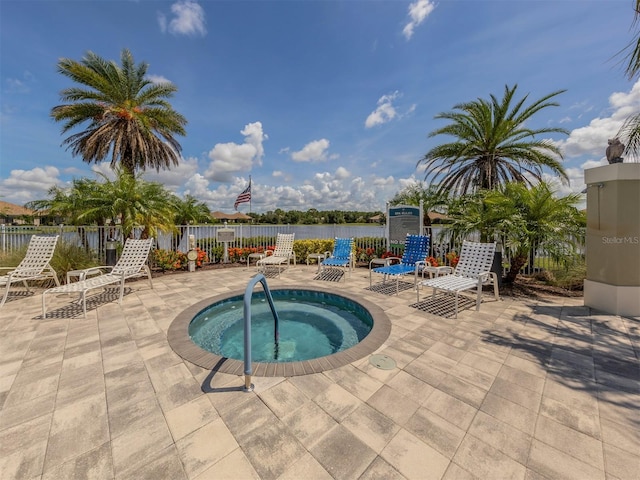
(522, 389)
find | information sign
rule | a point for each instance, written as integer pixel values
(403, 220)
(226, 235)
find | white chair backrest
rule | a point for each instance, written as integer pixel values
(284, 245)
(134, 256)
(39, 254)
(475, 258)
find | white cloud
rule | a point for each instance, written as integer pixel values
(385, 112)
(175, 178)
(188, 19)
(20, 85)
(315, 151)
(592, 139)
(157, 79)
(230, 158)
(379, 182)
(26, 185)
(418, 12)
(342, 173)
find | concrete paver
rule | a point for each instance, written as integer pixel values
(524, 389)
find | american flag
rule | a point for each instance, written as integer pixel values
(244, 197)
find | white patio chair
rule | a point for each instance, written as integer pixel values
(131, 264)
(473, 271)
(283, 253)
(34, 266)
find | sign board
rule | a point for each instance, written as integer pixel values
(226, 235)
(403, 220)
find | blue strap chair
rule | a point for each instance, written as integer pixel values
(416, 249)
(342, 256)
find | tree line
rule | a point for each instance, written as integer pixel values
(315, 217)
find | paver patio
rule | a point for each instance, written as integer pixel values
(523, 389)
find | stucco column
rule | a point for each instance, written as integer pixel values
(613, 239)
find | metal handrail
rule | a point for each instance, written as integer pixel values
(248, 293)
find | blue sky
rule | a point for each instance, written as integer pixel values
(326, 104)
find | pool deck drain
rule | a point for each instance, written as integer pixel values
(383, 362)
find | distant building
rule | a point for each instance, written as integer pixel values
(11, 214)
(230, 217)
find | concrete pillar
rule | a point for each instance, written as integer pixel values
(613, 239)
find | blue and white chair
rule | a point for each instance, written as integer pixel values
(416, 249)
(341, 257)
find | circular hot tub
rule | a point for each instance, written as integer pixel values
(318, 330)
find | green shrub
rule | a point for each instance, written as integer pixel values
(68, 257)
(302, 248)
(168, 260)
(572, 277)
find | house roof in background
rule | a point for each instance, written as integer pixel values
(230, 216)
(13, 210)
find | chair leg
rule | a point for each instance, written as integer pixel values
(456, 314)
(496, 290)
(6, 294)
(44, 307)
(479, 295)
(121, 291)
(149, 275)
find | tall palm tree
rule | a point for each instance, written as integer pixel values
(128, 116)
(633, 49)
(629, 134)
(492, 145)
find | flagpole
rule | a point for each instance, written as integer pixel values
(250, 197)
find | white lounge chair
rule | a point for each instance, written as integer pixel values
(473, 270)
(34, 266)
(283, 253)
(132, 263)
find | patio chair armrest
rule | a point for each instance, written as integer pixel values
(393, 259)
(484, 276)
(7, 268)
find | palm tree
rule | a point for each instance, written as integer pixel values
(128, 116)
(524, 218)
(629, 133)
(493, 145)
(190, 210)
(136, 202)
(633, 49)
(78, 205)
(187, 211)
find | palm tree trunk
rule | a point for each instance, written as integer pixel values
(517, 262)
